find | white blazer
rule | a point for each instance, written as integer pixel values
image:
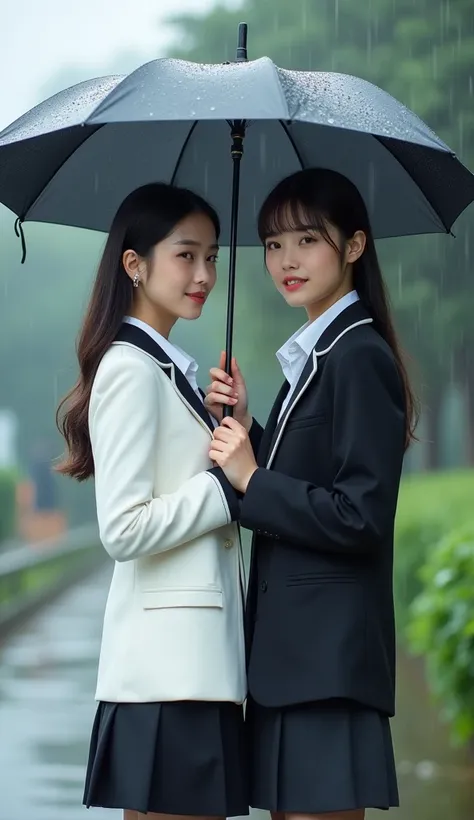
(173, 627)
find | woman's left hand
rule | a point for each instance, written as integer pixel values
(231, 450)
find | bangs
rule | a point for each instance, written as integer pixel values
(289, 214)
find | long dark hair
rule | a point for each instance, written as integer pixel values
(314, 197)
(147, 216)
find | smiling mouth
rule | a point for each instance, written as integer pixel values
(199, 298)
(293, 283)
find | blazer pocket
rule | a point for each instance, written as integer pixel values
(320, 578)
(307, 421)
(172, 597)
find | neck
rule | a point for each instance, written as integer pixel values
(159, 320)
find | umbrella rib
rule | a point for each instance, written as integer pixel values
(397, 159)
(181, 153)
(293, 143)
(56, 171)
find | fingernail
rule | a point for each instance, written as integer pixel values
(234, 401)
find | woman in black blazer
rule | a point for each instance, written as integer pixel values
(319, 490)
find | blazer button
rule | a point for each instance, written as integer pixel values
(264, 586)
(228, 543)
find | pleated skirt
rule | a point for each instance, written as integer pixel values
(327, 756)
(170, 758)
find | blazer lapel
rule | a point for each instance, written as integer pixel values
(304, 380)
(353, 316)
(130, 334)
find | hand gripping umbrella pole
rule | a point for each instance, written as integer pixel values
(236, 152)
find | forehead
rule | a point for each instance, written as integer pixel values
(197, 223)
(290, 217)
(197, 228)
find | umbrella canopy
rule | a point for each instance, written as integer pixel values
(73, 158)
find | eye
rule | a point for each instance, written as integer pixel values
(308, 240)
(187, 255)
(272, 246)
(213, 259)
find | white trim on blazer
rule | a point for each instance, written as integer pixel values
(298, 394)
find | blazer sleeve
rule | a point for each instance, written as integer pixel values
(368, 438)
(124, 419)
(255, 436)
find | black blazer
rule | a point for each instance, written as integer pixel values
(320, 619)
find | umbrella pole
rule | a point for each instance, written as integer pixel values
(237, 149)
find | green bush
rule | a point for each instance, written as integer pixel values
(431, 505)
(7, 504)
(442, 627)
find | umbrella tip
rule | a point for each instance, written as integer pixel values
(241, 56)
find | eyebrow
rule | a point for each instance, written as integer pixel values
(194, 244)
(295, 229)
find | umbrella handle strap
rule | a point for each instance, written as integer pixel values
(21, 235)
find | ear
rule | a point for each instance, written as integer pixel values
(356, 247)
(133, 264)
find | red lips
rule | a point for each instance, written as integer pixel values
(199, 297)
(292, 283)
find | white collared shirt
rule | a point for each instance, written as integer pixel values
(185, 363)
(293, 355)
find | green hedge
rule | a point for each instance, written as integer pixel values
(442, 628)
(8, 484)
(430, 506)
(434, 587)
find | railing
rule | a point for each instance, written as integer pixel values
(31, 574)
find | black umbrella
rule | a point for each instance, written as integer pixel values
(73, 158)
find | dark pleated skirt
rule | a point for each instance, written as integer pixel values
(327, 756)
(170, 758)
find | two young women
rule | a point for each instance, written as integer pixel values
(318, 487)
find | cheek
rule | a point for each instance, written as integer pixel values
(271, 265)
(212, 278)
(166, 283)
(324, 262)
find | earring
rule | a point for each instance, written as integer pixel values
(136, 280)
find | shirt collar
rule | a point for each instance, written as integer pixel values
(179, 357)
(305, 339)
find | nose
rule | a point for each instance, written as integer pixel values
(289, 262)
(202, 275)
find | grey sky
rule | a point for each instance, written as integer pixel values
(42, 37)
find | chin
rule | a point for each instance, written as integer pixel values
(191, 311)
(294, 299)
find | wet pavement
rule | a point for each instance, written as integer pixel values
(47, 680)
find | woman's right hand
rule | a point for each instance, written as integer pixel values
(230, 390)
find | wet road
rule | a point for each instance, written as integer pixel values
(47, 679)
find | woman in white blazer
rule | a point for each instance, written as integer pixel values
(168, 733)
